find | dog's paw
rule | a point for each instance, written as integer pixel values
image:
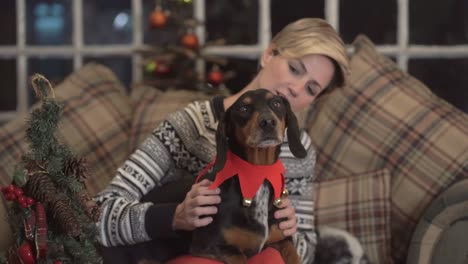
(338, 246)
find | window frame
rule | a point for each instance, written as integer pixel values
(402, 50)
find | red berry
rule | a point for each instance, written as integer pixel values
(11, 188)
(18, 191)
(4, 189)
(30, 201)
(24, 204)
(21, 199)
(10, 197)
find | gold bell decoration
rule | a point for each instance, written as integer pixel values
(284, 193)
(247, 202)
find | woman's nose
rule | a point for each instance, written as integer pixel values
(297, 87)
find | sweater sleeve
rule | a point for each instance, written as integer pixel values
(299, 182)
(124, 219)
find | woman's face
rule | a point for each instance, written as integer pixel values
(298, 80)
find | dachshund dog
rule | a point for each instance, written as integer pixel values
(251, 131)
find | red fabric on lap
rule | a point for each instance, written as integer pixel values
(269, 255)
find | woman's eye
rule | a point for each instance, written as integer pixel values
(293, 69)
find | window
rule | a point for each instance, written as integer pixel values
(56, 37)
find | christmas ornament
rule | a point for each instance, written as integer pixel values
(190, 40)
(158, 18)
(25, 253)
(215, 76)
(150, 67)
(162, 68)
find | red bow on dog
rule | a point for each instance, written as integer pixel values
(251, 176)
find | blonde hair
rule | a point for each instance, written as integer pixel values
(314, 36)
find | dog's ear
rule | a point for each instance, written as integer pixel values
(294, 136)
(221, 143)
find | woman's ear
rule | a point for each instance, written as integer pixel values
(267, 55)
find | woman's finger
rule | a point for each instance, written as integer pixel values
(204, 200)
(205, 210)
(287, 212)
(203, 221)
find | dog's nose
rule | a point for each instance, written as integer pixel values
(267, 123)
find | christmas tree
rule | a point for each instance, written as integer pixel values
(171, 63)
(50, 213)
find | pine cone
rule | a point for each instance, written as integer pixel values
(40, 187)
(90, 207)
(65, 217)
(76, 167)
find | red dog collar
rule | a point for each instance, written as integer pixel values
(251, 176)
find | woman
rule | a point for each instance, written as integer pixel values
(304, 60)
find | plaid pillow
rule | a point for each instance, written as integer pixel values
(94, 124)
(359, 204)
(386, 118)
(151, 106)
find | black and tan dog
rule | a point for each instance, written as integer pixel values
(251, 131)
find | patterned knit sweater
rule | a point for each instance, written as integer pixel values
(186, 140)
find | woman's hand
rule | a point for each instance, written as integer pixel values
(287, 211)
(198, 202)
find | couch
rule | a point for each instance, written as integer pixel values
(387, 148)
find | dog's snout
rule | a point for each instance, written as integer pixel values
(267, 123)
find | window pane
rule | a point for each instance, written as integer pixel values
(54, 69)
(121, 66)
(171, 33)
(441, 22)
(107, 22)
(284, 12)
(234, 21)
(49, 22)
(446, 77)
(8, 23)
(376, 19)
(8, 84)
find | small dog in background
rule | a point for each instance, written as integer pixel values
(249, 135)
(336, 246)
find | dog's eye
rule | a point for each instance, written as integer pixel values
(243, 108)
(276, 104)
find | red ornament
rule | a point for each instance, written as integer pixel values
(162, 68)
(215, 77)
(190, 41)
(158, 18)
(26, 254)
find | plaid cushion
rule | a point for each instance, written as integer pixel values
(359, 204)
(151, 106)
(94, 124)
(386, 118)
